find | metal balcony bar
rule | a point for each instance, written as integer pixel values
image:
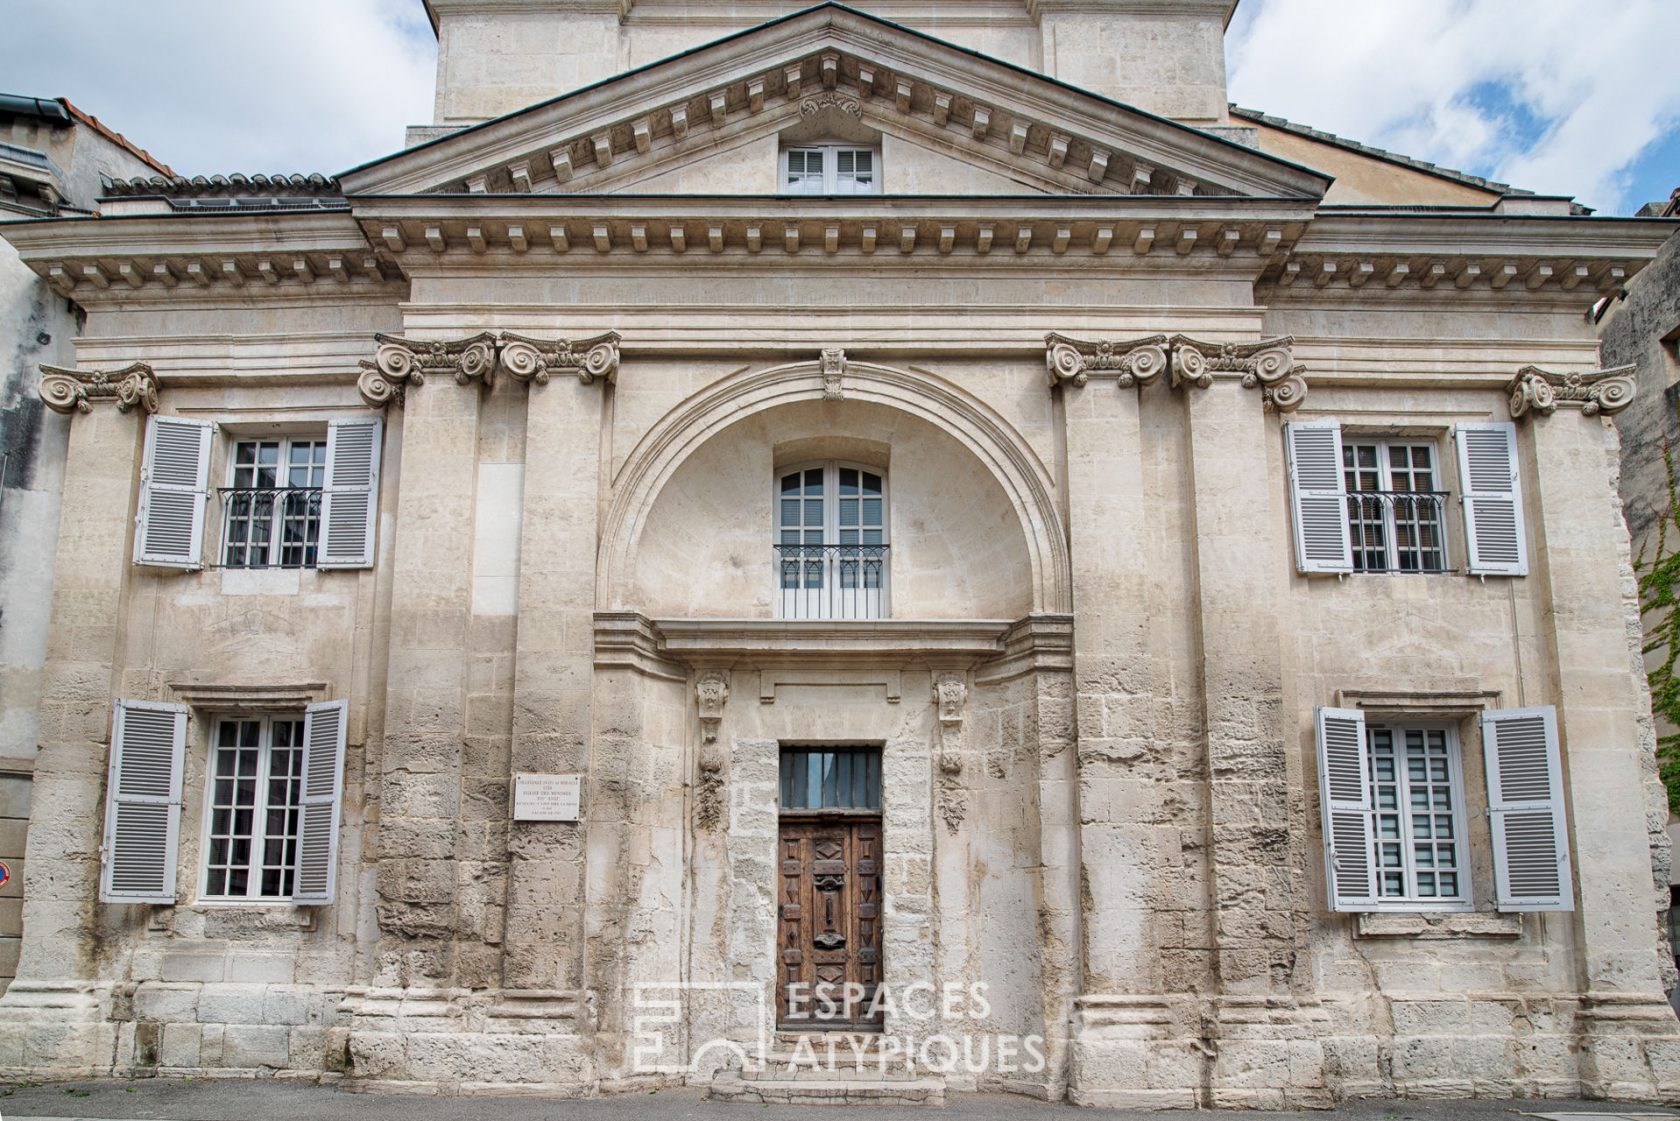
(270, 527)
(831, 581)
(1398, 531)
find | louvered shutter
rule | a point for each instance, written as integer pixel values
(1493, 520)
(350, 499)
(323, 797)
(174, 487)
(1344, 793)
(1317, 496)
(1525, 807)
(143, 803)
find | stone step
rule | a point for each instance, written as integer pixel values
(867, 1072)
(729, 1086)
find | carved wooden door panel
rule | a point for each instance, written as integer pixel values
(830, 922)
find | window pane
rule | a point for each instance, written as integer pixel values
(831, 778)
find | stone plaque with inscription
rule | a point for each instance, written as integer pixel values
(546, 797)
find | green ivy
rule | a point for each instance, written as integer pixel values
(1659, 604)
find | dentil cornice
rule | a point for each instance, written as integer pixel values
(1537, 392)
(65, 390)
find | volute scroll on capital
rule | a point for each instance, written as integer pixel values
(401, 363)
(1537, 392)
(64, 390)
(1266, 364)
(1130, 362)
(536, 360)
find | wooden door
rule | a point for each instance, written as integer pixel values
(830, 922)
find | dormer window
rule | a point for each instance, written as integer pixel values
(830, 169)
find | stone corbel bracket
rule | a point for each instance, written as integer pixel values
(711, 691)
(1130, 362)
(950, 697)
(1268, 364)
(65, 391)
(400, 363)
(1539, 392)
(536, 360)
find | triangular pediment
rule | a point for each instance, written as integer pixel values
(957, 122)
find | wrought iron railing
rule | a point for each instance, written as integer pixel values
(1398, 531)
(270, 527)
(831, 581)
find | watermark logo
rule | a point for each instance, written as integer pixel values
(697, 1027)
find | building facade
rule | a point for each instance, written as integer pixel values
(53, 159)
(923, 527)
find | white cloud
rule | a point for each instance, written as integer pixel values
(232, 85)
(1555, 97)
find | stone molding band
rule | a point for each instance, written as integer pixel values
(1537, 392)
(402, 362)
(64, 390)
(1266, 364)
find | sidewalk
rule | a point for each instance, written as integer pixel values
(174, 1099)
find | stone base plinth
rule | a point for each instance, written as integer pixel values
(56, 1030)
(1630, 1047)
(1135, 1052)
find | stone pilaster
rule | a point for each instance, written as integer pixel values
(1630, 1046)
(53, 1014)
(1127, 840)
(1265, 1048)
(420, 931)
(554, 665)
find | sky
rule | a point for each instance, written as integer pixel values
(1573, 97)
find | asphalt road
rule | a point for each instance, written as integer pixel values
(176, 1099)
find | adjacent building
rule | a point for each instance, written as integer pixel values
(930, 507)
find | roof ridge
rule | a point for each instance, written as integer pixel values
(1372, 150)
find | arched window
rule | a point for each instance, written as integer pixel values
(831, 542)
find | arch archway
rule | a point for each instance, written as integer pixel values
(1009, 464)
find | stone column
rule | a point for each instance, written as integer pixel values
(1630, 1045)
(439, 387)
(1265, 1055)
(53, 1014)
(1127, 842)
(542, 964)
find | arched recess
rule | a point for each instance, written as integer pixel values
(995, 445)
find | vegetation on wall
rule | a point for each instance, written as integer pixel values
(1659, 605)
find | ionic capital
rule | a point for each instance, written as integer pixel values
(65, 390)
(1130, 362)
(536, 360)
(1267, 364)
(1540, 392)
(400, 363)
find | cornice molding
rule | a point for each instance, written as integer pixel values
(1130, 362)
(64, 390)
(536, 360)
(1267, 364)
(1537, 392)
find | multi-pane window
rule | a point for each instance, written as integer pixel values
(829, 169)
(1396, 513)
(255, 786)
(831, 542)
(831, 778)
(272, 503)
(1417, 795)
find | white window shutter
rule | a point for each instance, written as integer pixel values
(1525, 807)
(174, 488)
(322, 802)
(1317, 496)
(350, 499)
(1344, 793)
(143, 803)
(1493, 516)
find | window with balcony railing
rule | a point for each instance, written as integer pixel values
(271, 511)
(831, 543)
(1396, 516)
